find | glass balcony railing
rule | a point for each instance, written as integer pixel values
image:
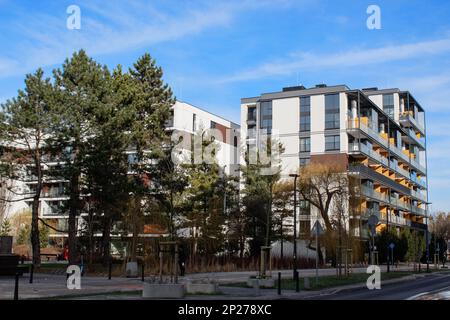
(355, 147)
(408, 116)
(399, 153)
(400, 204)
(418, 166)
(400, 170)
(367, 129)
(419, 195)
(418, 210)
(421, 182)
(374, 194)
(419, 141)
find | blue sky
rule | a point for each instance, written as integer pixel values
(215, 52)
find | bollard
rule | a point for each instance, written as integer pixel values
(256, 287)
(143, 266)
(16, 287)
(279, 283)
(306, 284)
(297, 282)
(109, 269)
(31, 272)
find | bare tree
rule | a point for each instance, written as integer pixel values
(325, 187)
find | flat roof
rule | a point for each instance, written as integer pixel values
(327, 89)
(296, 93)
(207, 111)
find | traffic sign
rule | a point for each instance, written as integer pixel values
(317, 229)
(392, 245)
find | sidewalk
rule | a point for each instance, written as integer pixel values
(48, 286)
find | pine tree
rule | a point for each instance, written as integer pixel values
(83, 90)
(25, 128)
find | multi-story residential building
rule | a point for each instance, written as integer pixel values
(376, 135)
(186, 119)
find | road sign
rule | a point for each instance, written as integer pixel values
(391, 245)
(317, 229)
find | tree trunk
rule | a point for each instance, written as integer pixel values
(106, 243)
(72, 223)
(34, 236)
(134, 239)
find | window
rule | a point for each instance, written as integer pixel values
(266, 116)
(332, 143)
(388, 104)
(194, 122)
(332, 111)
(304, 208)
(251, 114)
(305, 113)
(305, 144)
(304, 162)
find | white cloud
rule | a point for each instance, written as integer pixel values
(114, 27)
(358, 57)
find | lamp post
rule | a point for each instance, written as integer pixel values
(295, 176)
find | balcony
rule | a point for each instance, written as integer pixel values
(418, 166)
(419, 141)
(355, 147)
(418, 210)
(400, 170)
(367, 191)
(420, 182)
(406, 119)
(372, 174)
(399, 153)
(400, 204)
(363, 125)
(419, 195)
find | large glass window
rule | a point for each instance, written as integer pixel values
(332, 111)
(332, 143)
(305, 144)
(251, 114)
(266, 116)
(388, 104)
(305, 113)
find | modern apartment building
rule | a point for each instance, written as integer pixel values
(379, 136)
(186, 119)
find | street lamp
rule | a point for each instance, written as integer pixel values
(295, 176)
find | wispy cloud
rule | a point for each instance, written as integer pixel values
(362, 56)
(113, 27)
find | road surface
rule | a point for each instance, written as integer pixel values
(414, 289)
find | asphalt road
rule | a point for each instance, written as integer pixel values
(396, 291)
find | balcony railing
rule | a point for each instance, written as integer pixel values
(419, 141)
(397, 168)
(418, 195)
(399, 153)
(421, 182)
(407, 116)
(400, 204)
(360, 124)
(374, 194)
(418, 166)
(418, 210)
(355, 147)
